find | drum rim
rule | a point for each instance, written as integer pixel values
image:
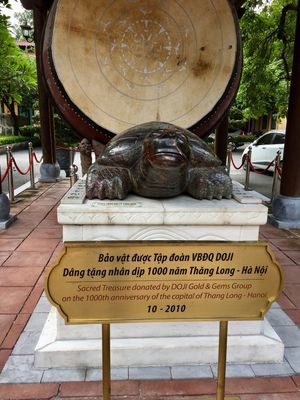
(89, 129)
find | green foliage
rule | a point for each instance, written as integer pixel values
(17, 72)
(30, 130)
(7, 140)
(236, 116)
(268, 41)
(65, 136)
(241, 139)
(233, 139)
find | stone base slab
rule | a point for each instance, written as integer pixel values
(286, 212)
(292, 224)
(158, 344)
(5, 224)
(151, 329)
(132, 347)
(49, 173)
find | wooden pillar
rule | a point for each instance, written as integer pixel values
(49, 168)
(221, 140)
(290, 185)
(286, 206)
(46, 113)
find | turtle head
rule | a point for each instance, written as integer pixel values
(165, 149)
(162, 171)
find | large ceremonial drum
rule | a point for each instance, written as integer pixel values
(111, 65)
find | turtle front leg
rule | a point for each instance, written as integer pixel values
(209, 183)
(105, 182)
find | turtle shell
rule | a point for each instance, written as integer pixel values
(157, 160)
(161, 139)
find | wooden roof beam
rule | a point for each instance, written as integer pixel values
(40, 4)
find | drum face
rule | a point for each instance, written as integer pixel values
(111, 65)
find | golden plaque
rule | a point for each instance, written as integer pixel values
(104, 282)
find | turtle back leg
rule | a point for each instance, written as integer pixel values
(105, 182)
(209, 183)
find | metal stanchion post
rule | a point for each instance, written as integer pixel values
(32, 184)
(6, 218)
(71, 157)
(73, 174)
(10, 175)
(246, 187)
(275, 176)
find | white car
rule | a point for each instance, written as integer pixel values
(265, 148)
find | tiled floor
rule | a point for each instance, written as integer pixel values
(19, 367)
(25, 250)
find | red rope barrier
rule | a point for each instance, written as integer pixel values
(247, 159)
(6, 171)
(38, 161)
(68, 149)
(279, 170)
(257, 171)
(19, 170)
(231, 159)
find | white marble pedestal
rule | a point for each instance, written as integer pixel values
(136, 218)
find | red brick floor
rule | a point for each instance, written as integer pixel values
(285, 388)
(25, 250)
(286, 247)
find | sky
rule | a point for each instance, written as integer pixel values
(16, 6)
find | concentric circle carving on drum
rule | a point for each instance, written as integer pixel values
(125, 62)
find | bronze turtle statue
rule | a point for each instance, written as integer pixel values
(157, 160)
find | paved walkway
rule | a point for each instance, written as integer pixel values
(26, 249)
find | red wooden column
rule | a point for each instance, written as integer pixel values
(286, 207)
(221, 140)
(49, 169)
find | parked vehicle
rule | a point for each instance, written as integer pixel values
(265, 148)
